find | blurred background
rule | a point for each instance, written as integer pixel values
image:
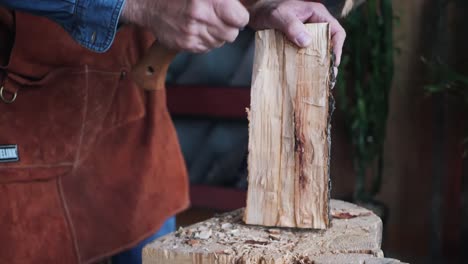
(399, 135)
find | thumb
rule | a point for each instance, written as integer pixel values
(296, 31)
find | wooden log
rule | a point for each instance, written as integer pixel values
(354, 237)
(289, 131)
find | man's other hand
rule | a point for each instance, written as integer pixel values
(189, 25)
(289, 17)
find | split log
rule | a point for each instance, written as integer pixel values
(289, 133)
(354, 237)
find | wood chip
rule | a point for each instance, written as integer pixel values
(179, 232)
(274, 231)
(348, 215)
(203, 228)
(204, 234)
(226, 226)
(193, 242)
(274, 236)
(255, 242)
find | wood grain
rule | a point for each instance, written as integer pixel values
(354, 237)
(289, 132)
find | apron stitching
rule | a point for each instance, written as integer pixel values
(35, 166)
(69, 220)
(85, 113)
(75, 166)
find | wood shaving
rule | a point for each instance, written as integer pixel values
(255, 242)
(226, 226)
(205, 234)
(193, 242)
(348, 215)
(274, 231)
(274, 237)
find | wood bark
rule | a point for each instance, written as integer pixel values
(289, 131)
(354, 237)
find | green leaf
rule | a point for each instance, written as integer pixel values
(434, 88)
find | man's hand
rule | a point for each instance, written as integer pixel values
(189, 25)
(288, 16)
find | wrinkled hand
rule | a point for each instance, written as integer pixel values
(189, 25)
(289, 17)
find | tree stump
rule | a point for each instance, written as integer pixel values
(354, 237)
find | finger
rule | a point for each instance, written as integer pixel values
(231, 12)
(199, 48)
(294, 29)
(214, 24)
(319, 13)
(210, 40)
(338, 38)
(193, 44)
(225, 33)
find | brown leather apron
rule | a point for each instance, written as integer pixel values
(100, 167)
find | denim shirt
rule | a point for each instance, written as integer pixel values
(92, 23)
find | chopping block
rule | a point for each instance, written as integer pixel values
(354, 236)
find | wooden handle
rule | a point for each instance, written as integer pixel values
(150, 72)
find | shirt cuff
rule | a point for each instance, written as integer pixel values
(95, 23)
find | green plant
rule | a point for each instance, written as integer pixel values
(450, 82)
(363, 89)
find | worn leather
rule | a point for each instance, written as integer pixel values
(100, 167)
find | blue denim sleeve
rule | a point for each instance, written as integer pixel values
(92, 23)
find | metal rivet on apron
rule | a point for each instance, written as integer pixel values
(11, 98)
(93, 37)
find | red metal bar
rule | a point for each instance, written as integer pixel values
(217, 198)
(206, 101)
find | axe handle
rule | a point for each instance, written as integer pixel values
(150, 71)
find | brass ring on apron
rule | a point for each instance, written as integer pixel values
(5, 99)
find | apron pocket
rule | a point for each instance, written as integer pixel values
(55, 121)
(45, 120)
